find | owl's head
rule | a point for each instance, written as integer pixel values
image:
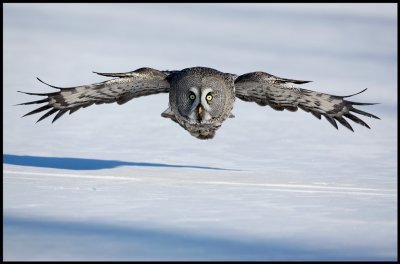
(201, 99)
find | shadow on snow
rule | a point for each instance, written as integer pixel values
(85, 164)
(58, 239)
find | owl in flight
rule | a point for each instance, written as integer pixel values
(201, 99)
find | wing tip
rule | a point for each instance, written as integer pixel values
(331, 120)
(302, 82)
(52, 86)
(355, 93)
(118, 74)
(358, 111)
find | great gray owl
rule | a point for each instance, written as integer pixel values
(201, 99)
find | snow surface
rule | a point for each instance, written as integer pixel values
(122, 183)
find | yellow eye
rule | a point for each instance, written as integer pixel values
(209, 97)
(192, 96)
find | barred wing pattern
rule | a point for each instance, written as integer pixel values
(129, 85)
(279, 93)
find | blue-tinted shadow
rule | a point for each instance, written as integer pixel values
(67, 240)
(85, 164)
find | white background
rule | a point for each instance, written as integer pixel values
(117, 182)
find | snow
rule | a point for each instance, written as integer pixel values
(117, 182)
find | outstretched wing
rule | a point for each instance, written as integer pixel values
(126, 86)
(280, 94)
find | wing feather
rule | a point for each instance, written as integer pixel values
(331, 120)
(35, 102)
(356, 120)
(279, 93)
(343, 122)
(141, 82)
(38, 110)
(59, 114)
(49, 113)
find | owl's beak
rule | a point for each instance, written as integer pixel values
(200, 109)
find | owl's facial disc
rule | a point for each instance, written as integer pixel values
(200, 107)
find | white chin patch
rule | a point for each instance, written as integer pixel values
(194, 118)
(205, 116)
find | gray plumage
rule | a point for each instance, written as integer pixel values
(201, 99)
